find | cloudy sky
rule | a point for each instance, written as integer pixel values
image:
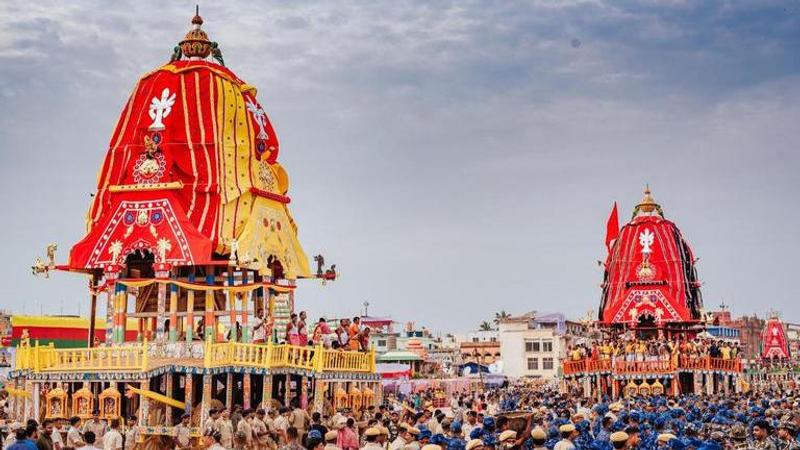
(453, 158)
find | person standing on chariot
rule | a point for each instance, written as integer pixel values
(302, 329)
(260, 327)
(292, 334)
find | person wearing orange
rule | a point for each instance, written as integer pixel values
(354, 329)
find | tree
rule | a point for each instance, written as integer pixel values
(486, 326)
(500, 316)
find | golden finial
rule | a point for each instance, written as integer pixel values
(196, 43)
(648, 204)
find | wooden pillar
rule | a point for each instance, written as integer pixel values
(229, 390)
(188, 392)
(170, 393)
(287, 389)
(173, 313)
(598, 387)
(726, 383)
(697, 379)
(161, 319)
(319, 395)
(270, 308)
(112, 297)
(139, 329)
(190, 310)
(266, 395)
(229, 281)
(93, 312)
(303, 391)
(710, 383)
(144, 409)
(205, 402)
(209, 313)
(245, 308)
(32, 411)
(121, 322)
(246, 391)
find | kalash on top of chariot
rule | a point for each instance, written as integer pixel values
(191, 243)
(650, 294)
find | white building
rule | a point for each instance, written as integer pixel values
(482, 336)
(533, 345)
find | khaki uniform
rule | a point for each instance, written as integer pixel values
(261, 435)
(245, 427)
(299, 419)
(225, 428)
(398, 443)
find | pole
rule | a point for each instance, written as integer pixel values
(92, 286)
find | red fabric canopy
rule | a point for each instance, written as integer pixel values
(650, 275)
(774, 340)
(138, 221)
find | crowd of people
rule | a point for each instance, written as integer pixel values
(639, 350)
(514, 417)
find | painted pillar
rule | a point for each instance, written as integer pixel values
(266, 394)
(599, 387)
(614, 388)
(111, 300)
(726, 383)
(587, 386)
(173, 313)
(245, 309)
(304, 391)
(116, 333)
(710, 383)
(144, 410)
(162, 274)
(205, 404)
(190, 311)
(319, 395)
(697, 378)
(287, 390)
(34, 390)
(228, 390)
(139, 329)
(111, 273)
(270, 308)
(122, 315)
(246, 391)
(209, 313)
(188, 391)
(232, 304)
(170, 393)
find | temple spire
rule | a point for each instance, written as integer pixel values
(648, 204)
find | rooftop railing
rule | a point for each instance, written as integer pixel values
(136, 357)
(621, 367)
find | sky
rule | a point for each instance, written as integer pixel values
(453, 159)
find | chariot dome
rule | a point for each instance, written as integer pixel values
(650, 278)
(191, 174)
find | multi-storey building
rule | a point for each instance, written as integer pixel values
(533, 344)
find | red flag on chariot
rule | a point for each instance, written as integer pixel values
(612, 227)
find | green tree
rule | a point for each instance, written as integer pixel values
(486, 326)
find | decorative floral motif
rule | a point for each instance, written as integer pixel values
(149, 170)
(266, 177)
